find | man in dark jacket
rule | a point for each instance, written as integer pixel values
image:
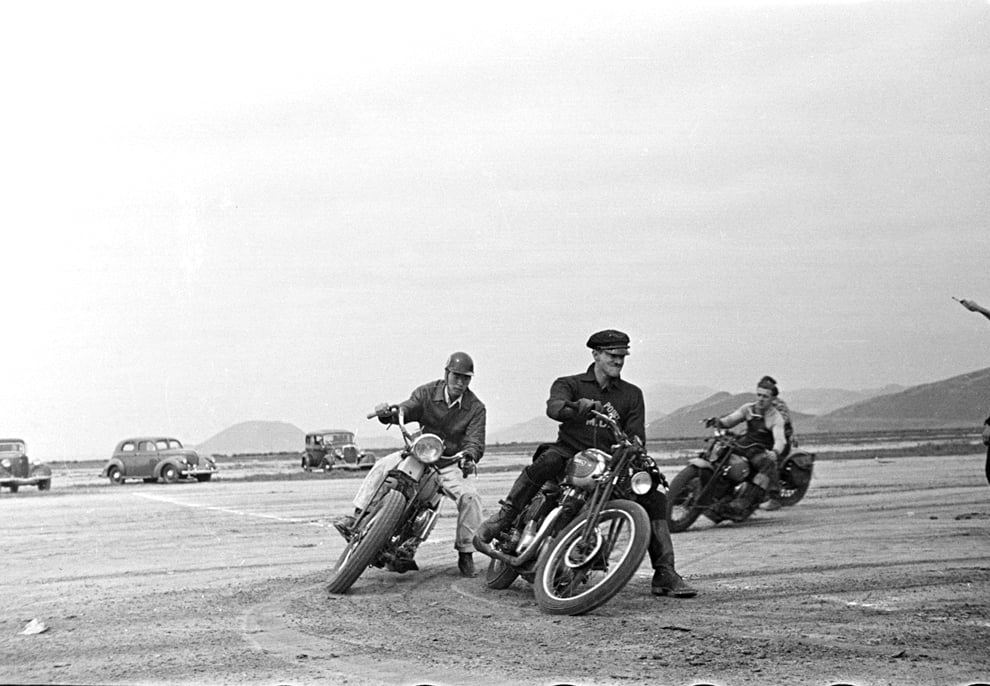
(571, 400)
(448, 408)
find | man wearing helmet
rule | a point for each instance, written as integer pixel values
(571, 400)
(766, 441)
(449, 409)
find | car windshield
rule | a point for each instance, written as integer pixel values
(339, 438)
(12, 447)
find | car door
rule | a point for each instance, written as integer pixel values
(145, 459)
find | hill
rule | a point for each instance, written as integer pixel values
(959, 401)
(819, 401)
(255, 437)
(688, 421)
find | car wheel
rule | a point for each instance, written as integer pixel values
(203, 477)
(45, 485)
(13, 487)
(115, 475)
(170, 474)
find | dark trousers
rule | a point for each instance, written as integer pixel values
(988, 465)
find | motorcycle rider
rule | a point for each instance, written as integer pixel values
(772, 501)
(449, 409)
(570, 402)
(767, 441)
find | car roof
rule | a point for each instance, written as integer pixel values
(148, 438)
(331, 431)
(11, 440)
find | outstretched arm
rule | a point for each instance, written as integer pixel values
(974, 306)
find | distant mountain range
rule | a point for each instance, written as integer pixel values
(678, 411)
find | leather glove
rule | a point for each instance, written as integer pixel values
(586, 405)
(711, 422)
(468, 466)
(384, 412)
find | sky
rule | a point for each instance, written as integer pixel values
(231, 211)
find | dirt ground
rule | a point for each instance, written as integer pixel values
(881, 576)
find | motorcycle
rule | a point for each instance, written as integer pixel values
(581, 538)
(722, 472)
(402, 511)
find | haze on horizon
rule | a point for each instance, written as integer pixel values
(226, 212)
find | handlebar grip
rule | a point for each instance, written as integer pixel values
(372, 415)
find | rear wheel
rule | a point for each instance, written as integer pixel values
(792, 489)
(14, 487)
(683, 506)
(576, 574)
(45, 485)
(367, 542)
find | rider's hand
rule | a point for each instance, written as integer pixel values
(711, 421)
(586, 405)
(468, 466)
(969, 305)
(384, 412)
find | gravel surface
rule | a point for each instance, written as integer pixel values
(880, 576)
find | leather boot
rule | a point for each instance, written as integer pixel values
(520, 494)
(465, 564)
(345, 524)
(742, 507)
(666, 580)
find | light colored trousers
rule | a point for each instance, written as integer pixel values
(462, 490)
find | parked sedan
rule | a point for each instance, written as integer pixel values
(153, 458)
(16, 469)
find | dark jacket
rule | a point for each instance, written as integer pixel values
(461, 427)
(621, 400)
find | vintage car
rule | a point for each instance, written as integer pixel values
(151, 458)
(334, 448)
(16, 469)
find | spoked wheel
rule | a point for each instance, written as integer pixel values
(683, 506)
(577, 573)
(499, 575)
(367, 542)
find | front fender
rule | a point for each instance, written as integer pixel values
(110, 465)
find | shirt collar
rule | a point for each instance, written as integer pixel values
(451, 403)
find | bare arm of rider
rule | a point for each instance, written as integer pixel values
(779, 436)
(731, 419)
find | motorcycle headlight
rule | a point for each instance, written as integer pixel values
(641, 483)
(427, 448)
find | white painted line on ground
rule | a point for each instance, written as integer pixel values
(242, 513)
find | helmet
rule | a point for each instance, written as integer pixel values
(460, 363)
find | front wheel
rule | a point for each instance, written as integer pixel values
(577, 573)
(45, 485)
(116, 475)
(170, 474)
(203, 477)
(683, 507)
(367, 542)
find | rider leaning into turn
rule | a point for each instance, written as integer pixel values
(766, 437)
(571, 400)
(448, 408)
